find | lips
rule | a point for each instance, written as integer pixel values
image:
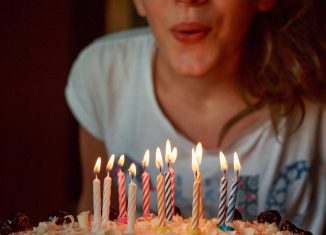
(190, 32)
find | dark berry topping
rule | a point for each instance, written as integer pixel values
(59, 217)
(288, 226)
(237, 215)
(18, 222)
(5, 229)
(270, 216)
(113, 214)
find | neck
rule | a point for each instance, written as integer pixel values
(217, 82)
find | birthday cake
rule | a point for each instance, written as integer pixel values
(267, 223)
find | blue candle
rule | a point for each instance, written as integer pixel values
(223, 192)
(234, 190)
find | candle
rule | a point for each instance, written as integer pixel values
(168, 196)
(195, 195)
(122, 192)
(173, 158)
(132, 188)
(234, 190)
(97, 197)
(223, 191)
(146, 178)
(160, 191)
(199, 154)
(107, 192)
(168, 183)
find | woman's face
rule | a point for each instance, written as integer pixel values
(196, 36)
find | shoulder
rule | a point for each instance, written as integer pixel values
(124, 43)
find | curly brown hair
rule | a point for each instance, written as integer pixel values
(284, 63)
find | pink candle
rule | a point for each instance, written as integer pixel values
(122, 192)
(146, 177)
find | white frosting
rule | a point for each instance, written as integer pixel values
(143, 226)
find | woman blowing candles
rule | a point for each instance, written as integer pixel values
(245, 76)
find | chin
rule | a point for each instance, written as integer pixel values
(191, 70)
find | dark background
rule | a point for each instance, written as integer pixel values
(39, 163)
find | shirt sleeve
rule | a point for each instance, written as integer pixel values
(82, 92)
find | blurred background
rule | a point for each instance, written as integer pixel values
(39, 40)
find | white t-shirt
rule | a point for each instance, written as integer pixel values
(110, 92)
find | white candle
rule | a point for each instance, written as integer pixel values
(97, 198)
(132, 188)
(107, 192)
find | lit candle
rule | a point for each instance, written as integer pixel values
(234, 190)
(107, 192)
(160, 191)
(132, 188)
(146, 179)
(223, 191)
(199, 154)
(168, 183)
(97, 197)
(122, 192)
(173, 158)
(195, 195)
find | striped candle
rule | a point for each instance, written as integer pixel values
(132, 188)
(107, 192)
(234, 190)
(168, 196)
(122, 192)
(232, 201)
(97, 198)
(146, 179)
(160, 190)
(223, 192)
(195, 196)
(201, 200)
(172, 172)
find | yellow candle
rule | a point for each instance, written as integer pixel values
(199, 156)
(160, 191)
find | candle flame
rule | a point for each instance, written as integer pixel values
(223, 162)
(174, 155)
(110, 163)
(121, 160)
(97, 166)
(199, 153)
(236, 162)
(159, 161)
(146, 158)
(132, 169)
(167, 151)
(194, 162)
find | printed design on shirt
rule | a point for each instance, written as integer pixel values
(247, 201)
(277, 196)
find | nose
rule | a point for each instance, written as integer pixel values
(191, 2)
